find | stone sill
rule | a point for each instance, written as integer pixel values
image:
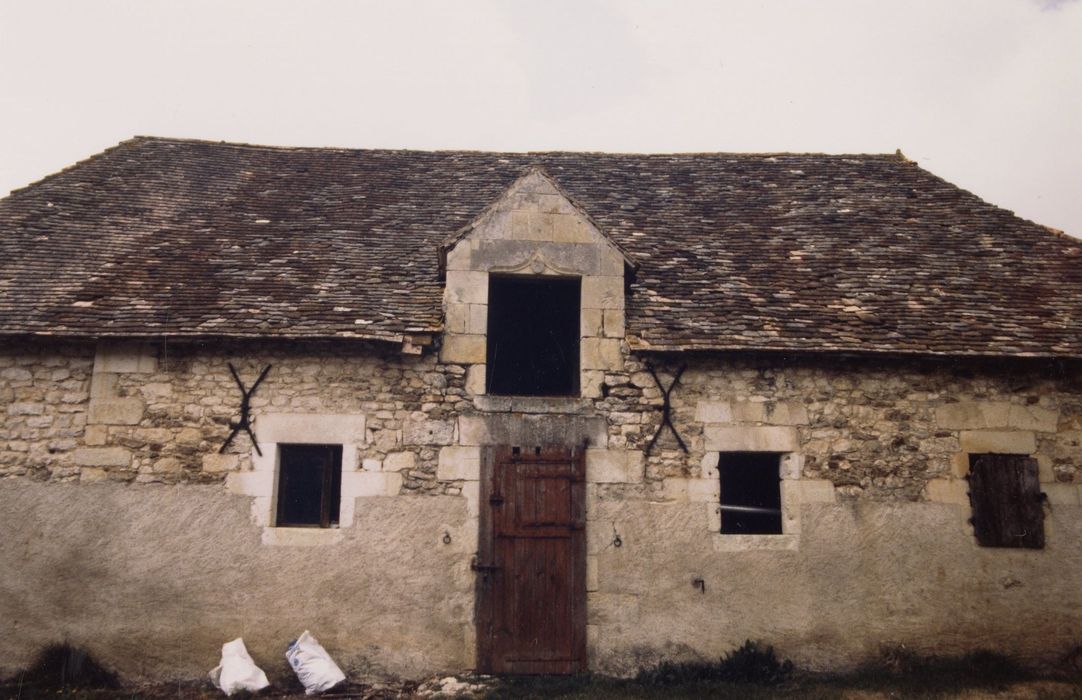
(531, 404)
(301, 536)
(751, 543)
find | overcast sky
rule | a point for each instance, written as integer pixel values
(985, 93)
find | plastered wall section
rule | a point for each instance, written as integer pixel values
(152, 579)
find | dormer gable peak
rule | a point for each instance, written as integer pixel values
(535, 207)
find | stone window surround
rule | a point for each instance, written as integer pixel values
(997, 427)
(601, 332)
(789, 468)
(358, 479)
(795, 492)
(954, 490)
(752, 426)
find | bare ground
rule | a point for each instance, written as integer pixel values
(856, 687)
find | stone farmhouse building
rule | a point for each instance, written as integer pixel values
(529, 413)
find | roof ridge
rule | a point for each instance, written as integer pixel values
(545, 152)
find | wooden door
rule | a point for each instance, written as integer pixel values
(531, 568)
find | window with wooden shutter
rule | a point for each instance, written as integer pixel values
(1008, 506)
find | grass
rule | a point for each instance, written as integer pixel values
(58, 668)
(751, 663)
(753, 672)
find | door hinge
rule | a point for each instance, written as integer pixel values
(483, 568)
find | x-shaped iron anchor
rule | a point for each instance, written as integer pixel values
(245, 422)
(666, 408)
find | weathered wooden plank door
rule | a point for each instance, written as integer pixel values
(531, 612)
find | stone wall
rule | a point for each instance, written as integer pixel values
(876, 549)
(883, 429)
(44, 392)
(154, 413)
(874, 429)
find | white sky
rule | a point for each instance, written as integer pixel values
(985, 93)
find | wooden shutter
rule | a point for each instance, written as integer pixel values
(1007, 502)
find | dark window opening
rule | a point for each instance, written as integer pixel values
(309, 485)
(750, 493)
(1008, 506)
(533, 336)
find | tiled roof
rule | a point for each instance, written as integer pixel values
(864, 253)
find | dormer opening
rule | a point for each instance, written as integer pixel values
(533, 335)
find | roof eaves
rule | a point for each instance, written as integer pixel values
(826, 349)
(196, 335)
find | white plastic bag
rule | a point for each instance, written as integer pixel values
(237, 671)
(313, 665)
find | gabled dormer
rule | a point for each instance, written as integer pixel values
(534, 296)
